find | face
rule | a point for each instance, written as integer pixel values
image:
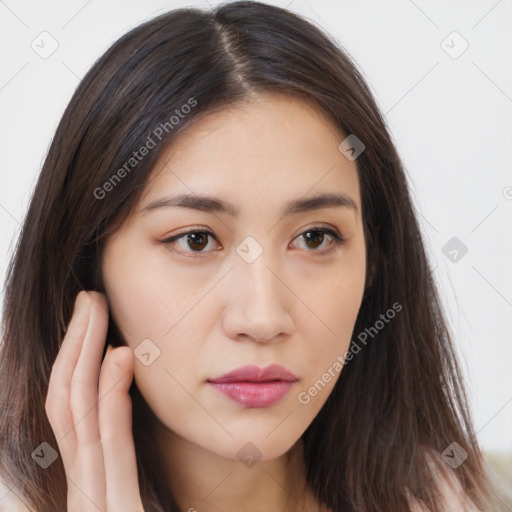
(260, 279)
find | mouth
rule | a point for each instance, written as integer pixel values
(254, 394)
(252, 386)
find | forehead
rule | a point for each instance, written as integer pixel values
(268, 147)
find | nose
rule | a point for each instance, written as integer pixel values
(258, 303)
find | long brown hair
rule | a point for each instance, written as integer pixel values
(398, 400)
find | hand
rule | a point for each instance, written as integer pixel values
(93, 425)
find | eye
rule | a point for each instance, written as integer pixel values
(194, 240)
(316, 236)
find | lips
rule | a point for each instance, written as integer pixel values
(252, 386)
(253, 373)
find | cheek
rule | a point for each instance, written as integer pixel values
(326, 341)
(135, 302)
(145, 301)
(334, 305)
(157, 314)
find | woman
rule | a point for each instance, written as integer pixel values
(222, 203)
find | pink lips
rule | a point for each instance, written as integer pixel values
(252, 386)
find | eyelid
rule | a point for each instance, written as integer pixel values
(337, 238)
(330, 230)
(181, 234)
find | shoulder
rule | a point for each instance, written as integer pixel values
(9, 501)
(453, 495)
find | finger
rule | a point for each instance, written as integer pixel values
(88, 486)
(84, 382)
(58, 394)
(72, 404)
(115, 419)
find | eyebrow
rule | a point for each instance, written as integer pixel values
(211, 204)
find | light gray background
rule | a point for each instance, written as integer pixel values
(450, 118)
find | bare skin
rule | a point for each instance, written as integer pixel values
(91, 419)
(208, 311)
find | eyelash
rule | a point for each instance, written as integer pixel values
(337, 239)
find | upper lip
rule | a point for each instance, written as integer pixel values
(253, 373)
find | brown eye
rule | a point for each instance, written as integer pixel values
(192, 241)
(315, 238)
(197, 241)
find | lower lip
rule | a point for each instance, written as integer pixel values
(254, 394)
